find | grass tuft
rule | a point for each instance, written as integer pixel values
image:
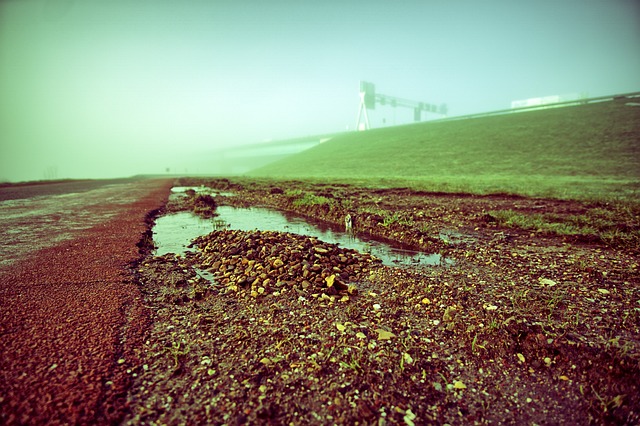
(619, 225)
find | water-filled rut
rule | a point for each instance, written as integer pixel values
(174, 232)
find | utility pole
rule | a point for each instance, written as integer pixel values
(369, 97)
(367, 101)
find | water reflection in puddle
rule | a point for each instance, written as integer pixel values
(181, 191)
(173, 233)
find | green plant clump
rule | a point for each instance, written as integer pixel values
(618, 226)
(312, 200)
(205, 205)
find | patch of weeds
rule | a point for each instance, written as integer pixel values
(536, 221)
(552, 304)
(146, 243)
(607, 404)
(576, 319)
(293, 193)
(617, 237)
(372, 210)
(622, 349)
(395, 217)
(311, 200)
(616, 227)
(425, 228)
(494, 325)
(205, 205)
(631, 318)
(519, 298)
(176, 353)
(353, 364)
(443, 261)
(347, 204)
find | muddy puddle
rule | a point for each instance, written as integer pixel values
(173, 233)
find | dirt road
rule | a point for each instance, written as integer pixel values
(69, 312)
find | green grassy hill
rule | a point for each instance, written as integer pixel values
(579, 151)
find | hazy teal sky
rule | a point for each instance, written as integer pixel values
(98, 88)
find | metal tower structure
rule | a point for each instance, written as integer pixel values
(369, 98)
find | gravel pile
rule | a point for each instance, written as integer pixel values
(262, 262)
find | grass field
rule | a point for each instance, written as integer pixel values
(584, 152)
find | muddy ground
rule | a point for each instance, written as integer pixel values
(526, 327)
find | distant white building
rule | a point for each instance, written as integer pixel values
(546, 100)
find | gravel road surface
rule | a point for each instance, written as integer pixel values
(69, 314)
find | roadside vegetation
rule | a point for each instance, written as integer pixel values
(617, 225)
(610, 222)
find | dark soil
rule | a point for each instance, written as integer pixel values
(526, 327)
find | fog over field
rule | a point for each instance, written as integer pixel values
(114, 88)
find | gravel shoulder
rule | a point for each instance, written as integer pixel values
(527, 326)
(70, 312)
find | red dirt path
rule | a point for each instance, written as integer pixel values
(71, 319)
